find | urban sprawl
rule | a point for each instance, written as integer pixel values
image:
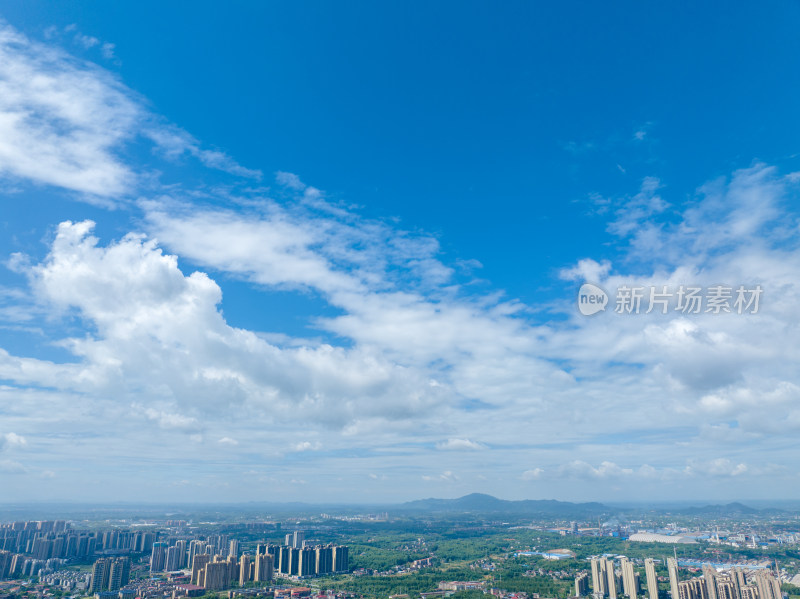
(178, 558)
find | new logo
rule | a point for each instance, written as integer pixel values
(591, 299)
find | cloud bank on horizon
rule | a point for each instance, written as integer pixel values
(415, 379)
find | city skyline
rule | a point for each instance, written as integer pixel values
(280, 254)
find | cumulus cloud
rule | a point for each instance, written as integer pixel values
(161, 335)
(417, 345)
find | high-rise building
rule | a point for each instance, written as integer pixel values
(582, 584)
(598, 577)
(741, 581)
(710, 577)
(284, 553)
(323, 559)
(341, 558)
(652, 579)
(181, 545)
(628, 578)
(119, 573)
(725, 589)
(110, 574)
(16, 564)
(612, 579)
(171, 561)
(222, 545)
(199, 567)
(244, 569)
(674, 579)
(144, 542)
(297, 539)
(748, 592)
(233, 549)
(233, 569)
(694, 588)
(158, 558)
(264, 567)
(6, 559)
(100, 572)
(307, 562)
(768, 587)
(217, 576)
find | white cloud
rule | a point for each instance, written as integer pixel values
(12, 440)
(460, 445)
(87, 41)
(586, 270)
(60, 121)
(640, 209)
(160, 335)
(416, 345)
(407, 359)
(715, 467)
(607, 470)
(533, 474)
(290, 180)
(307, 446)
(171, 420)
(447, 476)
(581, 469)
(64, 122)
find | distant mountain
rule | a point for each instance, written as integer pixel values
(480, 502)
(730, 509)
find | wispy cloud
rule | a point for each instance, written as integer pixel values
(460, 445)
(446, 476)
(64, 123)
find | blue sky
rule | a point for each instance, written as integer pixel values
(285, 247)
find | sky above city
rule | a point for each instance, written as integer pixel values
(319, 251)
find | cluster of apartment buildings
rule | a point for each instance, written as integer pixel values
(218, 572)
(180, 554)
(44, 540)
(733, 584)
(316, 560)
(736, 583)
(110, 574)
(216, 563)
